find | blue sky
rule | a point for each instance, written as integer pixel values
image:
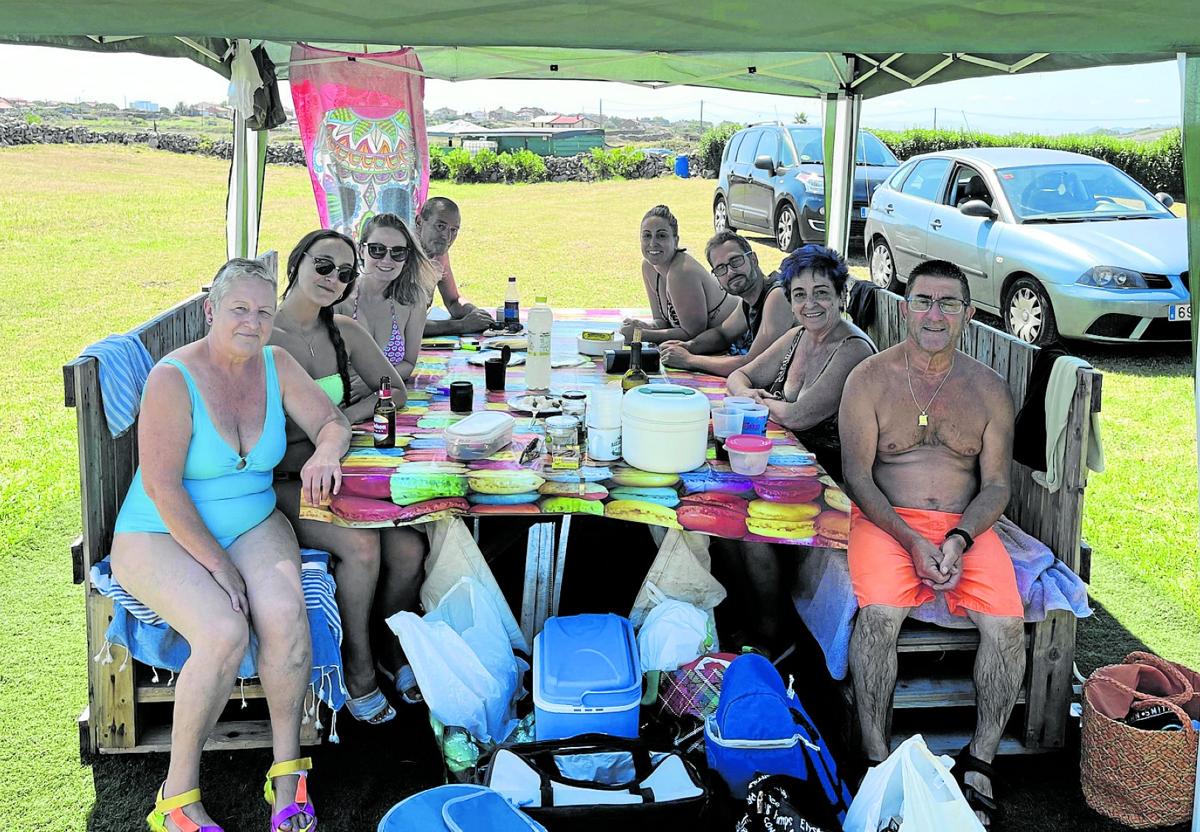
(1128, 96)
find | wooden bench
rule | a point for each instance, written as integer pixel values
(1055, 519)
(128, 704)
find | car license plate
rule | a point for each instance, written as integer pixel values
(1179, 312)
(862, 212)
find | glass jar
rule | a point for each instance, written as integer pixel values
(562, 441)
(574, 403)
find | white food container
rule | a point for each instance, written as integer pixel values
(595, 342)
(664, 428)
(479, 435)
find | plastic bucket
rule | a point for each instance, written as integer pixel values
(682, 169)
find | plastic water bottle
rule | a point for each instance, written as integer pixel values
(537, 360)
(512, 306)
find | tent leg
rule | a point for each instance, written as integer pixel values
(842, 113)
(1189, 66)
(244, 203)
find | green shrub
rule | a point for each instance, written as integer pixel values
(33, 118)
(485, 166)
(526, 166)
(437, 163)
(458, 165)
(616, 162)
(712, 144)
(1158, 165)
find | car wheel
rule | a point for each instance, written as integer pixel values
(1028, 314)
(787, 229)
(883, 266)
(721, 216)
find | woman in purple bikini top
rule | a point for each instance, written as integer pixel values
(391, 299)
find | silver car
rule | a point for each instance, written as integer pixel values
(1055, 243)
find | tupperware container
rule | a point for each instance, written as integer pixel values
(748, 454)
(586, 677)
(594, 342)
(664, 428)
(479, 435)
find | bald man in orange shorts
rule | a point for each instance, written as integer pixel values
(926, 435)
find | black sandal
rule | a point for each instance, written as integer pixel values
(965, 762)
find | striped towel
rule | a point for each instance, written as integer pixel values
(150, 641)
(124, 365)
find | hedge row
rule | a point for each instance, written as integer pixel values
(1158, 165)
(526, 166)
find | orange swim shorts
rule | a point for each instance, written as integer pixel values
(882, 571)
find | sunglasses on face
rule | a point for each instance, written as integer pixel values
(323, 266)
(734, 263)
(378, 250)
(923, 303)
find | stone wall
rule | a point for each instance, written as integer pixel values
(17, 132)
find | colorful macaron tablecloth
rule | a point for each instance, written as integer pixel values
(792, 502)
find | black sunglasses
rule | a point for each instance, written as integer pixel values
(323, 266)
(378, 250)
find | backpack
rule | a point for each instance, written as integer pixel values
(779, 803)
(761, 728)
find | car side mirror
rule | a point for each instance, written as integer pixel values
(1166, 199)
(766, 163)
(978, 208)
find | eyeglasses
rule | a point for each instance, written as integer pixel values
(323, 266)
(735, 262)
(923, 303)
(378, 250)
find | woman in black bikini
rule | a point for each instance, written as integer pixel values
(800, 377)
(685, 298)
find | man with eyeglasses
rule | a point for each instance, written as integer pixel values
(926, 434)
(437, 227)
(762, 316)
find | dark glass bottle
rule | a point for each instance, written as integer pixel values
(385, 416)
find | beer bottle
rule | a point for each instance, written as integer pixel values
(385, 416)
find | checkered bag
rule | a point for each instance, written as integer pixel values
(693, 690)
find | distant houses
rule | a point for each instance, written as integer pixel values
(579, 122)
(144, 106)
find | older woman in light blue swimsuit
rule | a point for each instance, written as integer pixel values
(198, 539)
(377, 570)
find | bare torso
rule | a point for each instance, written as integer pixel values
(935, 466)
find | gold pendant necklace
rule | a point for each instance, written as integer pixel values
(923, 414)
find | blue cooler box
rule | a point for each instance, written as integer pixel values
(586, 677)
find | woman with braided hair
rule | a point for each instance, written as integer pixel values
(375, 568)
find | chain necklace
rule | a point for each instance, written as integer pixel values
(923, 417)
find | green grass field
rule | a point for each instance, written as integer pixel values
(94, 240)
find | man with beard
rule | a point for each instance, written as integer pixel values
(437, 224)
(926, 435)
(762, 316)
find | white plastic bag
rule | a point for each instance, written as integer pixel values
(682, 570)
(673, 633)
(464, 664)
(916, 786)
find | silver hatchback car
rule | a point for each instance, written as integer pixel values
(1055, 243)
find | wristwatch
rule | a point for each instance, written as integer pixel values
(968, 541)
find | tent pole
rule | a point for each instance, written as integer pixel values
(1189, 67)
(842, 112)
(244, 203)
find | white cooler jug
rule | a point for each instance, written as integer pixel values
(664, 428)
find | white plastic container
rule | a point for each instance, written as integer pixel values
(479, 435)
(537, 358)
(595, 342)
(587, 677)
(748, 455)
(664, 428)
(604, 423)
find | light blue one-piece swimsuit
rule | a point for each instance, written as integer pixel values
(233, 494)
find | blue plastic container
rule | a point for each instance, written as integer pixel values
(457, 808)
(682, 169)
(586, 677)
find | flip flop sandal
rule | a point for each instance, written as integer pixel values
(172, 808)
(301, 805)
(965, 762)
(372, 708)
(404, 681)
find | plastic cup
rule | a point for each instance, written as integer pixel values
(462, 395)
(494, 371)
(738, 402)
(727, 421)
(754, 419)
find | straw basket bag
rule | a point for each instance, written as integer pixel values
(1139, 777)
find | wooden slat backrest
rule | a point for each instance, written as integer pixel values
(107, 463)
(1055, 519)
